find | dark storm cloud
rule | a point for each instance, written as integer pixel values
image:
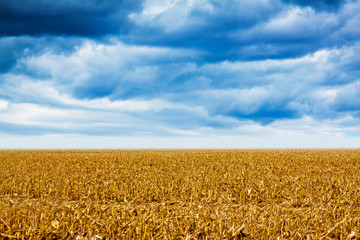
(66, 17)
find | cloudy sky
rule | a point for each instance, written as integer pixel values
(179, 74)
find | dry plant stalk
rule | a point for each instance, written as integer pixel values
(248, 194)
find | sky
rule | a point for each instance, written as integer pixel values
(179, 74)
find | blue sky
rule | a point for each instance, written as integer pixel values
(179, 74)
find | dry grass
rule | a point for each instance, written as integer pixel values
(180, 194)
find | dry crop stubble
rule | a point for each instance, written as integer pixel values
(223, 194)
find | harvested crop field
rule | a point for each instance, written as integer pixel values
(218, 194)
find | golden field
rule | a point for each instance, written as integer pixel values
(217, 194)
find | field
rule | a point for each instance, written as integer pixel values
(245, 194)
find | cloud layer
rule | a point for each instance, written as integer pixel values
(180, 68)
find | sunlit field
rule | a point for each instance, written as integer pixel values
(247, 194)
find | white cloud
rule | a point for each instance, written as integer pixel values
(182, 15)
(171, 15)
(308, 133)
(33, 114)
(294, 23)
(3, 105)
(301, 21)
(121, 61)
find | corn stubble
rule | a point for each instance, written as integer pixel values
(249, 194)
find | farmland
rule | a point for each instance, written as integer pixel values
(184, 194)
